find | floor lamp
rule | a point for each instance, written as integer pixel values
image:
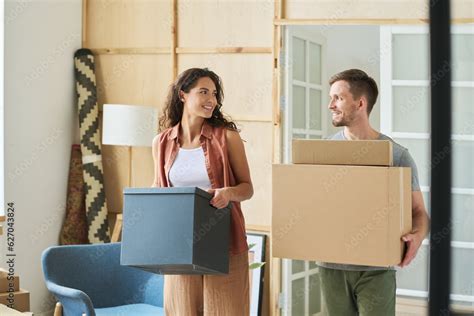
(131, 126)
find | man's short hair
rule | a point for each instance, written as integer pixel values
(359, 84)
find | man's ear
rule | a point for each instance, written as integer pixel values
(363, 103)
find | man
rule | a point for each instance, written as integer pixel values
(361, 290)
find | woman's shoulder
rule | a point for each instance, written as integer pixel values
(231, 136)
(231, 133)
(161, 136)
(224, 131)
(165, 132)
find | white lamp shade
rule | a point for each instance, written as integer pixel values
(129, 125)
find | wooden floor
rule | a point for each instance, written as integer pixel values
(413, 307)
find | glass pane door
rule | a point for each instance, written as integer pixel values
(405, 105)
(305, 108)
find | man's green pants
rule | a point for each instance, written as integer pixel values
(364, 293)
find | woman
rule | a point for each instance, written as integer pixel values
(199, 147)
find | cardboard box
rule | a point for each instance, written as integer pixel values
(174, 231)
(6, 311)
(5, 284)
(19, 300)
(343, 152)
(341, 214)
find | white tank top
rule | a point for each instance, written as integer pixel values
(189, 169)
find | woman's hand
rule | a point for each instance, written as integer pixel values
(221, 197)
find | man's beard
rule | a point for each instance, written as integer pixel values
(345, 121)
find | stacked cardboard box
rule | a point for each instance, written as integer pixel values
(10, 293)
(341, 202)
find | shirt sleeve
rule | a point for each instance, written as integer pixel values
(406, 160)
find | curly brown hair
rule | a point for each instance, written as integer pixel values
(173, 110)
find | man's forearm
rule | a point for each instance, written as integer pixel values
(421, 223)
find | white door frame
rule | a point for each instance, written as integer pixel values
(290, 32)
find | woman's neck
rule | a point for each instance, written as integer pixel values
(190, 131)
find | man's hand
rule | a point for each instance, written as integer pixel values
(413, 242)
(221, 197)
(420, 228)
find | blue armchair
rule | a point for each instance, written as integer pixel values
(88, 279)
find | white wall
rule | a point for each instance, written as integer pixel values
(41, 37)
(352, 47)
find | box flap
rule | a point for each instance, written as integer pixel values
(172, 190)
(343, 152)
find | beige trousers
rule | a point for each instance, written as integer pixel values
(210, 295)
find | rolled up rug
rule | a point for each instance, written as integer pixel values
(74, 230)
(96, 206)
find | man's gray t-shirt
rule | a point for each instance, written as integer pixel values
(401, 158)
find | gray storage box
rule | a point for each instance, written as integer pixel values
(174, 231)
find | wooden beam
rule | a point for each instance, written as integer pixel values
(281, 12)
(251, 119)
(258, 228)
(132, 51)
(174, 38)
(276, 84)
(224, 50)
(275, 283)
(180, 50)
(331, 21)
(275, 268)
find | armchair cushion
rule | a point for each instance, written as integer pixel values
(131, 310)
